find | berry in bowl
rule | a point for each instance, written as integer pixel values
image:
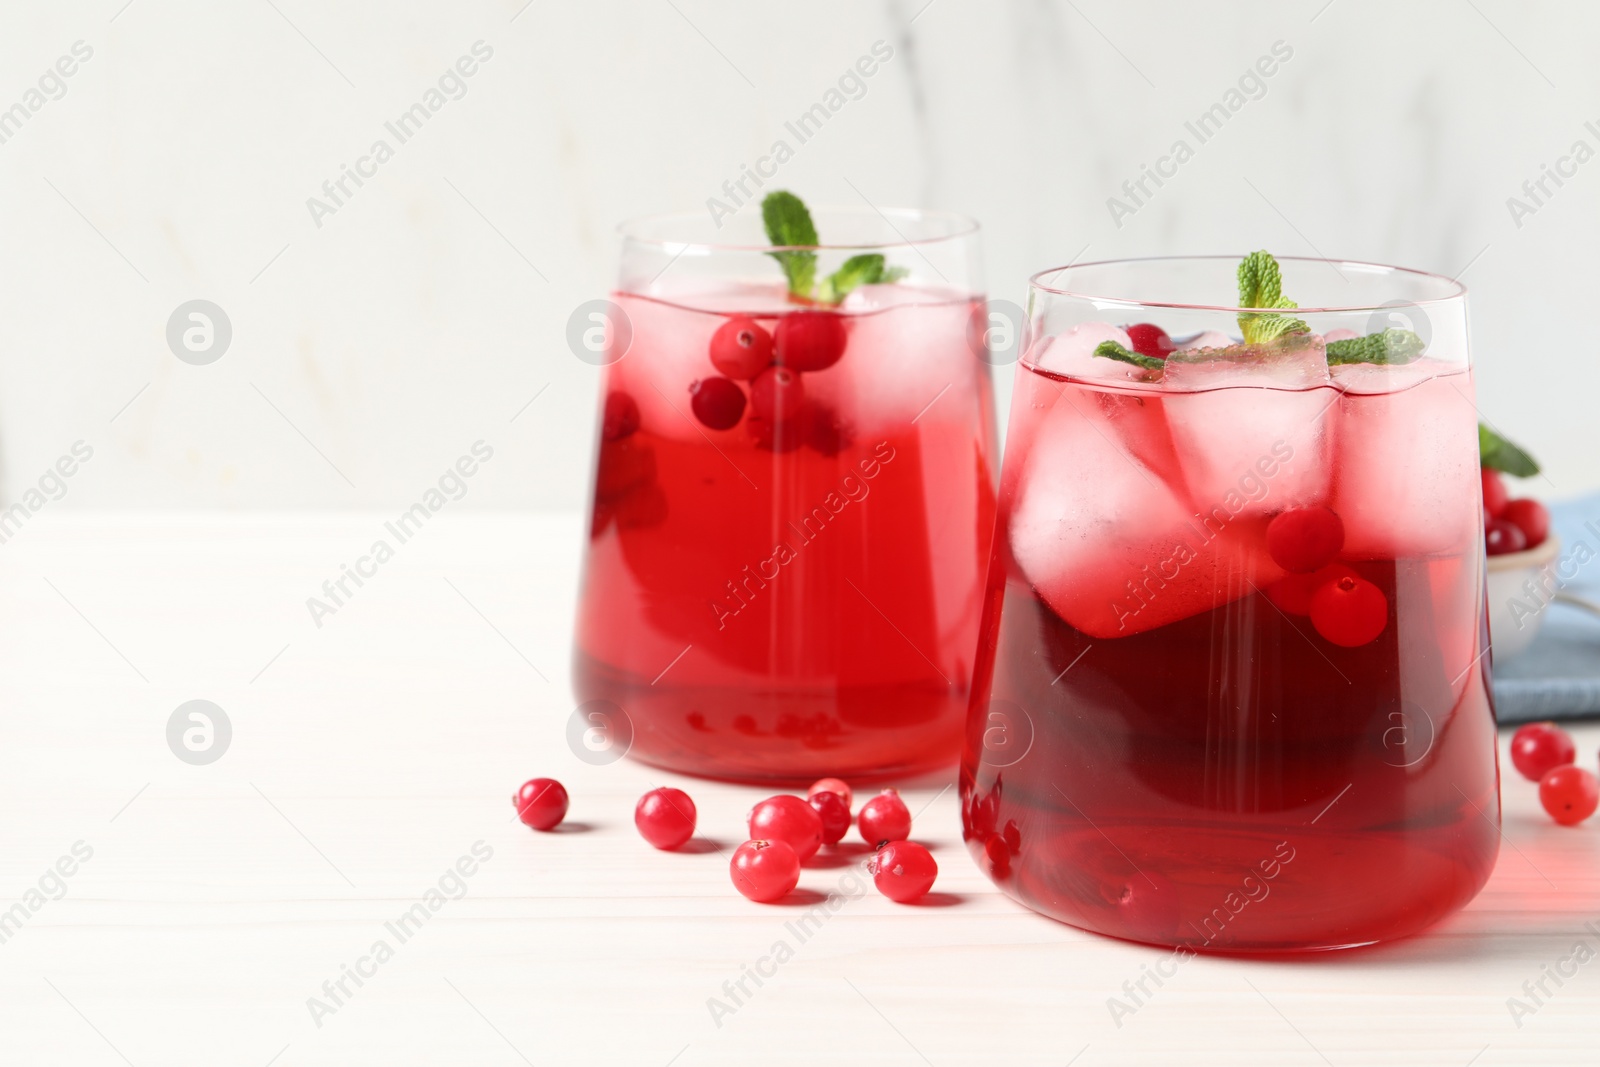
(1516, 537)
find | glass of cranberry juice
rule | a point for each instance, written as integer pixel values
(787, 544)
(1232, 688)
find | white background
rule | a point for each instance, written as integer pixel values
(416, 321)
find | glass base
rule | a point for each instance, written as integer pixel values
(782, 735)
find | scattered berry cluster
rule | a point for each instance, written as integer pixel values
(785, 831)
(1543, 752)
(781, 418)
(1510, 525)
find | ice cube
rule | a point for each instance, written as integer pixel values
(1407, 471)
(904, 363)
(1072, 353)
(886, 295)
(1108, 542)
(1372, 378)
(1252, 425)
(1206, 339)
(1340, 334)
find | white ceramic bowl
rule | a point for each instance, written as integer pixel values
(1515, 615)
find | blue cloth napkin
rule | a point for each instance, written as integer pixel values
(1558, 677)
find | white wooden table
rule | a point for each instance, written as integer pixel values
(368, 757)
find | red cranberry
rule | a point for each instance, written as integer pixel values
(1495, 496)
(999, 857)
(777, 394)
(741, 348)
(1292, 592)
(810, 340)
(903, 871)
(1302, 540)
(1570, 794)
(1150, 340)
(1539, 746)
(641, 509)
(623, 466)
(822, 430)
(765, 871)
(717, 402)
(772, 436)
(834, 813)
(665, 817)
(790, 820)
(884, 818)
(621, 416)
(541, 803)
(1502, 536)
(1531, 518)
(831, 785)
(1350, 612)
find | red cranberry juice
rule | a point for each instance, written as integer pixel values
(1164, 743)
(797, 592)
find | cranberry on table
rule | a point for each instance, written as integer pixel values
(541, 803)
(1495, 496)
(1531, 518)
(1501, 537)
(1150, 340)
(765, 871)
(741, 348)
(1303, 540)
(621, 417)
(1349, 611)
(1540, 746)
(834, 813)
(903, 871)
(717, 402)
(1570, 794)
(810, 340)
(831, 785)
(665, 817)
(884, 818)
(790, 820)
(777, 394)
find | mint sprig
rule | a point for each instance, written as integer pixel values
(1261, 286)
(864, 269)
(1392, 347)
(1496, 453)
(788, 223)
(1113, 350)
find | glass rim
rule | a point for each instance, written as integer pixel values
(959, 226)
(1457, 289)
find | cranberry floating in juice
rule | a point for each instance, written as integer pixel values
(793, 494)
(1232, 689)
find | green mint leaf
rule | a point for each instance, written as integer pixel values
(894, 274)
(1496, 453)
(1260, 281)
(1268, 328)
(1112, 350)
(865, 269)
(1261, 286)
(789, 223)
(1392, 346)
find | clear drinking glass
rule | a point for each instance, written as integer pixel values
(784, 572)
(1232, 691)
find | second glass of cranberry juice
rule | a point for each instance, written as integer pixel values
(784, 568)
(1232, 691)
